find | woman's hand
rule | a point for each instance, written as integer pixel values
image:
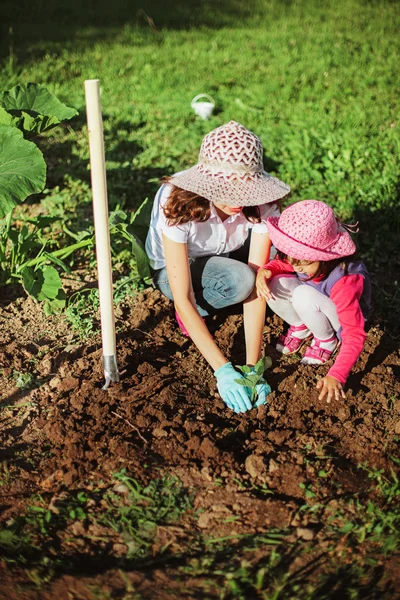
(232, 393)
(263, 291)
(332, 387)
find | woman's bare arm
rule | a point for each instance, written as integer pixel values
(178, 271)
(254, 308)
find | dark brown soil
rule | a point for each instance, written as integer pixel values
(247, 474)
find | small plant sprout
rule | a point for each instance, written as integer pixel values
(253, 376)
(23, 381)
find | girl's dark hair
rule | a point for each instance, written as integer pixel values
(183, 206)
(327, 266)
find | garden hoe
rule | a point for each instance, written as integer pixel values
(102, 233)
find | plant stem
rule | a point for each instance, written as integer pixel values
(62, 253)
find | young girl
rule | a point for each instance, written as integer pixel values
(319, 288)
(201, 221)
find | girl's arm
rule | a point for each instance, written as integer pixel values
(346, 294)
(178, 271)
(254, 307)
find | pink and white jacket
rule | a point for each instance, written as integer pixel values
(350, 291)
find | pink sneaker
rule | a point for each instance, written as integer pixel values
(317, 355)
(181, 325)
(290, 343)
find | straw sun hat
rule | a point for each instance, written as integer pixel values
(309, 230)
(230, 170)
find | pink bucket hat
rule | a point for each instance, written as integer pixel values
(230, 170)
(309, 230)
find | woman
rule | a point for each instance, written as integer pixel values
(201, 219)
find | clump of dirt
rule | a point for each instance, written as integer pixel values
(247, 473)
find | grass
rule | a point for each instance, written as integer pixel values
(48, 536)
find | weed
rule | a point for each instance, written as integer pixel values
(136, 518)
(82, 311)
(24, 381)
(308, 491)
(5, 475)
(132, 516)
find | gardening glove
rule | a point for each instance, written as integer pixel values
(262, 389)
(232, 393)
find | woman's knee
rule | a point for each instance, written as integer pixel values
(245, 280)
(231, 285)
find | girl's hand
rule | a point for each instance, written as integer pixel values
(263, 291)
(332, 387)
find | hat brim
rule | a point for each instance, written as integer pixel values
(253, 190)
(344, 246)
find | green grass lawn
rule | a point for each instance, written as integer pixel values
(315, 80)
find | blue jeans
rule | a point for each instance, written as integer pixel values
(218, 281)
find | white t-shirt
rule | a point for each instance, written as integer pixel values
(209, 238)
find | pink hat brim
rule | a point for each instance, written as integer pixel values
(344, 246)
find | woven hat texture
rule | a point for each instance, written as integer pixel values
(309, 230)
(230, 170)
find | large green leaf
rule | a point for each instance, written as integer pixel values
(118, 225)
(22, 169)
(6, 118)
(36, 107)
(45, 285)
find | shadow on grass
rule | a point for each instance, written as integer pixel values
(127, 187)
(29, 29)
(378, 243)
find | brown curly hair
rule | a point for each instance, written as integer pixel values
(183, 206)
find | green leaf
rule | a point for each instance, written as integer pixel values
(116, 217)
(22, 169)
(259, 367)
(57, 261)
(252, 380)
(140, 220)
(33, 124)
(249, 381)
(346, 527)
(55, 306)
(42, 284)
(51, 284)
(7, 119)
(39, 109)
(264, 363)
(241, 382)
(244, 369)
(7, 537)
(142, 260)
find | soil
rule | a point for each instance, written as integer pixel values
(246, 474)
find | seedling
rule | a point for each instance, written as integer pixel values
(253, 376)
(23, 381)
